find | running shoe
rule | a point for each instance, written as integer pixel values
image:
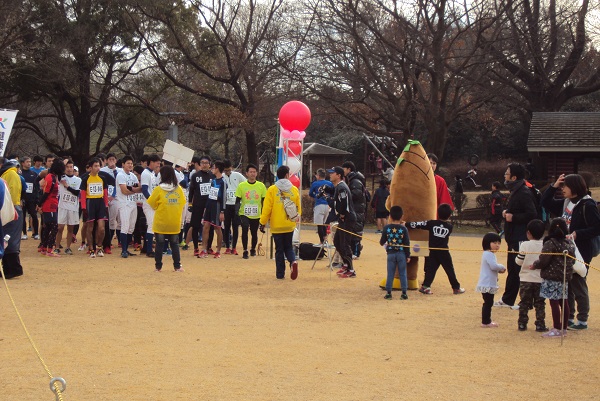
(203, 254)
(82, 247)
(252, 252)
(92, 254)
(197, 252)
(348, 274)
(23, 237)
(107, 250)
(53, 254)
(227, 251)
(210, 251)
(125, 255)
(217, 255)
(294, 274)
(245, 255)
(100, 254)
(234, 251)
(68, 251)
(36, 237)
(458, 291)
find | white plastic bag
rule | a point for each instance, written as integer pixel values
(579, 266)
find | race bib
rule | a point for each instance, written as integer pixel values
(111, 190)
(132, 198)
(29, 189)
(204, 189)
(214, 193)
(251, 210)
(95, 189)
(230, 195)
(68, 199)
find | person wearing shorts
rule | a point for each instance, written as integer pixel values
(127, 186)
(68, 205)
(214, 214)
(94, 198)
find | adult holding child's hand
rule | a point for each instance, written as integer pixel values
(583, 219)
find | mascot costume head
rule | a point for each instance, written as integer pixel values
(413, 187)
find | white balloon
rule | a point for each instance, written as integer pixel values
(294, 165)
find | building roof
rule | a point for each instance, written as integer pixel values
(317, 149)
(564, 132)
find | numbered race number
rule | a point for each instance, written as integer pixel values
(214, 193)
(95, 189)
(29, 189)
(230, 195)
(204, 189)
(251, 210)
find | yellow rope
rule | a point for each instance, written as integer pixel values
(455, 249)
(55, 385)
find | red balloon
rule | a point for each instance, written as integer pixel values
(294, 115)
(294, 148)
(295, 181)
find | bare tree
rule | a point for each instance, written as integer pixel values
(541, 51)
(228, 54)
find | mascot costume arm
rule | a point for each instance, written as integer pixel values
(413, 188)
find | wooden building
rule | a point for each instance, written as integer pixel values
(560, 141)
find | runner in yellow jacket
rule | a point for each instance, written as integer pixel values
(282, 227)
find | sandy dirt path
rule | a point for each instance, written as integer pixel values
(225, 329)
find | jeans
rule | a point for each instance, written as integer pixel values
(283, 250)
(160, 244)
(396, 260)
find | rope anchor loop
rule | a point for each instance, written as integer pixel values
(54, 389)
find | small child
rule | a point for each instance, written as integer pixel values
(488, 277)
(554, 273)
(496, 207)
(529, 289)
(397, 244)
(439, 232)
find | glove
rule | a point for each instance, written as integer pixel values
(261, 227)
(326, 189)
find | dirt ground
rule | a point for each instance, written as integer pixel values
(225, 329)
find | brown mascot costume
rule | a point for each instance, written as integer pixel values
(413, 188)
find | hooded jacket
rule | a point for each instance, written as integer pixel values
(273, 210)
(168, 202)
(356, 183)
(9, 173)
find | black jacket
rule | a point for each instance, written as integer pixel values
(30, 178)
(523, 208)
(356, 183)
(585, 232)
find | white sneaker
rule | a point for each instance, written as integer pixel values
(100, 254)
(23, 237)
(82, 247)
(515, 307)
(501, 304)
(36, 237)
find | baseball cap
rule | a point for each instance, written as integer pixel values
(337, 170)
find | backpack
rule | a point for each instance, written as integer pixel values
(289, 206)
(595, 241)
(537, 198)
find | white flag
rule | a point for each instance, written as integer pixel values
(7, 119)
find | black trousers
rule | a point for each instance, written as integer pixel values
(432, 264)
(29, 208)
(342, 241)
(512, 279)
(232, 221)
(251, 224)
(578, 291)
(486, 309)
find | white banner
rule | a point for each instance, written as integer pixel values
(177, 153)
(7, 119)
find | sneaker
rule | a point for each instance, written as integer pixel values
(426, 290)
(227, 251)
(404, 296)
(245, 255)
(157, 270)
(522, 327)
(196, 252)
(42, 249)
(458, 291)
(56, 251)
(387, 296)
(168, 252)
(68, 251)
(489, 325)
(515, 307)
(150, 254)
(354, 257)
(336, 265)
(82, 247)
(217, 255)
(23, 237)
(234, 251)
(252, 252)
(294, 274)
(541, 329)
(578, 326)
(180, 270)
(501, 304)
(74, 239)
(100, 254)
(554, 333)
(210, 251)
(131, 254)
(36, 237)
(182, 244)
(107, 250)
(348, 274)
(125, 255)
(54, 254)
(92, 254)
(343, 270)
(203, 254)
(378, 232)
(185, 247)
